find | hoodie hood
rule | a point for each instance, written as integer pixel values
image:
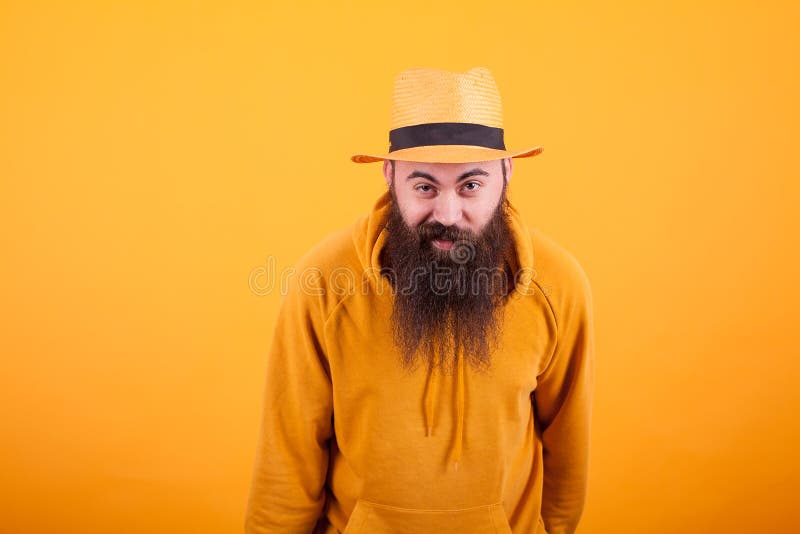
(369, 237)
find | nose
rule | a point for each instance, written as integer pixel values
(447, 210)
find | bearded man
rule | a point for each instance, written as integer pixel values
(460, 398)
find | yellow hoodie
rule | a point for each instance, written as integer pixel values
(351, 443)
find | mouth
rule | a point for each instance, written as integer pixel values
(443, 244)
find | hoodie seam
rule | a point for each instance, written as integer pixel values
(555, 321)
(324, 341)
(333, 311)
(494, 523)
(431, 510)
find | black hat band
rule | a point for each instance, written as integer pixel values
(446, 133)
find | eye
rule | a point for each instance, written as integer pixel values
(475, 186)
(423, 188)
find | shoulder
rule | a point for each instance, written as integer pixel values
(334, 250)
(565, 284)
(328, 271)
(559, 274)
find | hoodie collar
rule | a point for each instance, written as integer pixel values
(369, 238)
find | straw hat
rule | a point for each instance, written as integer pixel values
(446, 117)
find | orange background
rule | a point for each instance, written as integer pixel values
(154, 155)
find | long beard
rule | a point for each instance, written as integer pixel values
(447, 301)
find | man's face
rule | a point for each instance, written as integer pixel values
(462, 195)
(446, 255)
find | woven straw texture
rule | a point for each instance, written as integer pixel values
(424, 95)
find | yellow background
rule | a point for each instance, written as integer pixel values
(154, 155)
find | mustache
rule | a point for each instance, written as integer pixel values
(436, 230)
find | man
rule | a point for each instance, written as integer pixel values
(432, 368)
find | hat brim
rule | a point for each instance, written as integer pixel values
(447, 154)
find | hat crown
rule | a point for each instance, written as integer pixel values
(426, 95)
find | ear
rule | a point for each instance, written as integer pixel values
(387, 172)
(509, 168)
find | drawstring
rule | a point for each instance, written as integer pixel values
(460, 412)
(430, 397)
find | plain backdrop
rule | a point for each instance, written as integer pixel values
(154, 156)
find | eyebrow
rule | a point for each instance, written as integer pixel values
(473, 172)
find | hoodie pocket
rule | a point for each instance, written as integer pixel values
(373, 518)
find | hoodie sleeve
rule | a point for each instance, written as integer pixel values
(287, 492)
(562, 401)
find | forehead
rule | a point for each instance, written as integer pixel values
(448, 169)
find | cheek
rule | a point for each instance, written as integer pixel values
(413, 216)
(486, 209)
(413, 211)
